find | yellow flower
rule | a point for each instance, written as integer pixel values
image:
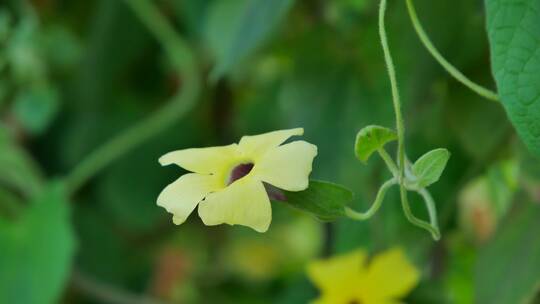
(227, 182)
(349, 278)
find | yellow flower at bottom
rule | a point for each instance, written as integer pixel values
(349, 278)
(227, 181)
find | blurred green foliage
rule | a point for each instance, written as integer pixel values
(75, 73)
(36, 251)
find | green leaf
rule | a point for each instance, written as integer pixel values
(514, 36)
(428, 168)
(36, 250)
(258, 20)
(508, 268)
(324, 200)
(370, 139)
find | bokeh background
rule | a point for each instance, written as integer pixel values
(73, 74)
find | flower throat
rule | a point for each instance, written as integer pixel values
(239, 171)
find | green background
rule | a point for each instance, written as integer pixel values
(73, 74)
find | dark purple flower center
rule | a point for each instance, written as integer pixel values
(239, 171)
(242, 170)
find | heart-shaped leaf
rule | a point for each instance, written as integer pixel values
(370, 139)
(514, 37)
(429, 168)
(324, 200)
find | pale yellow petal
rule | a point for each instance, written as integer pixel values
(212, 160)
(340, 274)
(244, 202)
(288, 166)
(391, 276)
(183, 195)
(257, 145)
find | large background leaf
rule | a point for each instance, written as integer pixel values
(36, 250)
(514, 34)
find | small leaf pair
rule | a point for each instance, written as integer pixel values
(424, 172)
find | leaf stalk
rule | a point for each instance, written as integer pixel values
(453, 71)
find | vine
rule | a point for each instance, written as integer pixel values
(415, 177)
(453, 71)
(183, 61)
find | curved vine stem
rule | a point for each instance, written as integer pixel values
(478, 89)
(400, 126)
(183, 61)
(430, 204)
(434, 230)
(361, 216)
(400, 129)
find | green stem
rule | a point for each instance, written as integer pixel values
(413, 219)
(430, 204)
(361, 216)
(400, 128)
(183, 61)
(442, 61)
(389, 162)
